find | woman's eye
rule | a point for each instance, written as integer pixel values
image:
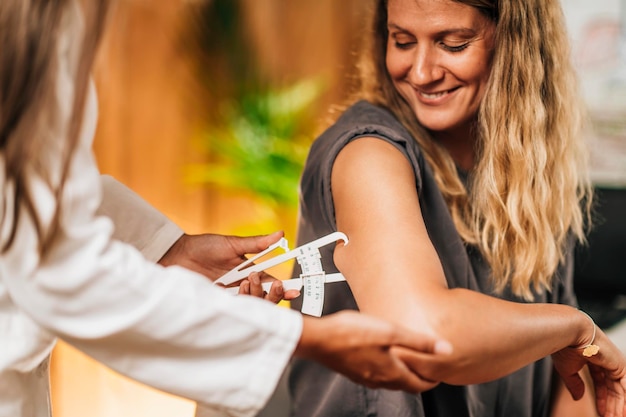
(402, 40)
(403, 45)
(454, 48)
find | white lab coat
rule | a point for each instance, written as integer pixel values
(137, 222)
(167, 327)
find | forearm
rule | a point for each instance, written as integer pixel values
(368, 350)
(497, 337)
(491, 337)
(312, 332)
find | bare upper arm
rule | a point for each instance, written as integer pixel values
(390, 262)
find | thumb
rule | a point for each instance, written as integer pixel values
(255, 244)
(574, 385)
(422, 342)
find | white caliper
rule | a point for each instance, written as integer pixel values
(312, 279)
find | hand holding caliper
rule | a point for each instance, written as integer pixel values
(311, 281)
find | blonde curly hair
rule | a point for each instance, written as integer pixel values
(529, 190)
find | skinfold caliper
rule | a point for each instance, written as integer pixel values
(312, 279)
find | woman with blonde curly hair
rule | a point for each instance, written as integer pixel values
(460, 178)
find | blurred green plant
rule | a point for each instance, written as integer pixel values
(258, 128)
(262, 143)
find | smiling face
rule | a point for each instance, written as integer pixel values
(439, 59)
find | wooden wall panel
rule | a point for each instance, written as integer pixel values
(149, 108)
(305, 38)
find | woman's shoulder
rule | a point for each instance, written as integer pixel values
(363, 118)
(365, 113)
(364, 108)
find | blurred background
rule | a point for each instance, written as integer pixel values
(207, 109)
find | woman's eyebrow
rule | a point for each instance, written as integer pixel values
(452, 31)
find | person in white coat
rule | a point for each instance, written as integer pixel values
(64, 275)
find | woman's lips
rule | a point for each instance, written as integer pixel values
(438, 97)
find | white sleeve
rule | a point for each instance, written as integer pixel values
(166, 327)
(137, 222)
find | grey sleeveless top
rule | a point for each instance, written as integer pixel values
(317, 391)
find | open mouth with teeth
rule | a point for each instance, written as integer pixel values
(433, 96)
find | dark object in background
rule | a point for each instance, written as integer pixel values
(600, 268)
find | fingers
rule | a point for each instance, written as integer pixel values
(416, 380)
(291, 294)
(622, 409)
(607, 369)
(407, 381)
(244, 287)
(599, 382)
(385, 368)
(256, 289)
(276, 292)
(361, 348)
(413, 383)
(254, 286)
(610, 392)
(271, 238)
(421, 342)
(384, 333)
(613, 402)
(574, 385)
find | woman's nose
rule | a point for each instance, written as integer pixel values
(426, 67)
